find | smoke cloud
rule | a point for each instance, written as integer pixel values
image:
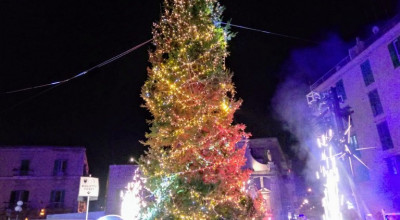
(304, 67)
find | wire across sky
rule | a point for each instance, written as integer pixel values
(57, 83)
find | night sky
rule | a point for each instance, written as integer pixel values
(45, 41)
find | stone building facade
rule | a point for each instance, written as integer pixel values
(272, 176)
(368, 83)
(45, 179)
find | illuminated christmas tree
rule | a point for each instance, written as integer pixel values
(193, 167)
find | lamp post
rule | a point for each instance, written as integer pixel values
(18, 208)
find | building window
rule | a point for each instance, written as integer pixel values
(366, 71)
(81, 206)
(60, 167)
(393, 164)
(354, 145)
(394, 50)
(340, 90)
(18, 195)
(384, 135)
(57, 198)
(375, 102)
(24, 169)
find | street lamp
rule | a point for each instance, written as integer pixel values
(18, 208)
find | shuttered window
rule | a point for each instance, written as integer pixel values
(57, 198)
(384, 135)
(60, 167)
(394, 50)
(367, 74)
(340, 90)
(18, 195)
(393, 164)
(375, 102)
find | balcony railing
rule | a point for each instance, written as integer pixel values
(27, 205)
(19, 172)
(59, 173)
(382, 30)
(56, 205)
(12, 205)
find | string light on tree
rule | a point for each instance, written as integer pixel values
(132, 202)
(193, 168)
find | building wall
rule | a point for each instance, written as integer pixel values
(375, 193)
(40, 180)
(271, 176)
(118, 178)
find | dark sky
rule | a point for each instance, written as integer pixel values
(45, 41)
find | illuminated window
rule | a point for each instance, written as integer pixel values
(393, 164)
(340, 90)
(367, 74)
(384, 135)
(354, 145)
(60, 166)
(57, 198)
(81, 206)
(375, 102)
(42, 212)
(394, 50)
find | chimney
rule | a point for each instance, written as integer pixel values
(357, 49)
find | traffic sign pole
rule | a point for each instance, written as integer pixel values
(87, 207)
(88, 188)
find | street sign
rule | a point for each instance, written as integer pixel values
(89, 186)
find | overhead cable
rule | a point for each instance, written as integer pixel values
(138, 46)
(269, 32)
(82, 73)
